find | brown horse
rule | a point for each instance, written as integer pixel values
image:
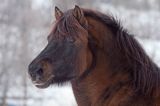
(104, 63)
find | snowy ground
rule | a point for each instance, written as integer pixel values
(52, 96)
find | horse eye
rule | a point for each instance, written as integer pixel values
(71, 40)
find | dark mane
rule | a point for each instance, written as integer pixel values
(144, 73)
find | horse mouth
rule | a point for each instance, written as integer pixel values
(44, 84)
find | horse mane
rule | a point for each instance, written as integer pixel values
(128, 55)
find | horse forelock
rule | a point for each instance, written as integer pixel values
(66, 26)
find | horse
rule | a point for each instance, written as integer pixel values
(104, 63)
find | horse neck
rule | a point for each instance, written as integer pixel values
(89, 90)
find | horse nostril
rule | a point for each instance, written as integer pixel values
(35, 71)
(39, 71)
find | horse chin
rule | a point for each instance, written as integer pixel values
(44, 84)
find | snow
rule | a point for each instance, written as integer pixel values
(53, 96)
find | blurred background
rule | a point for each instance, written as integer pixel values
(25, 24)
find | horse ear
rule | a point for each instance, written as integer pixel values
(58, 13)
(78, 13)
